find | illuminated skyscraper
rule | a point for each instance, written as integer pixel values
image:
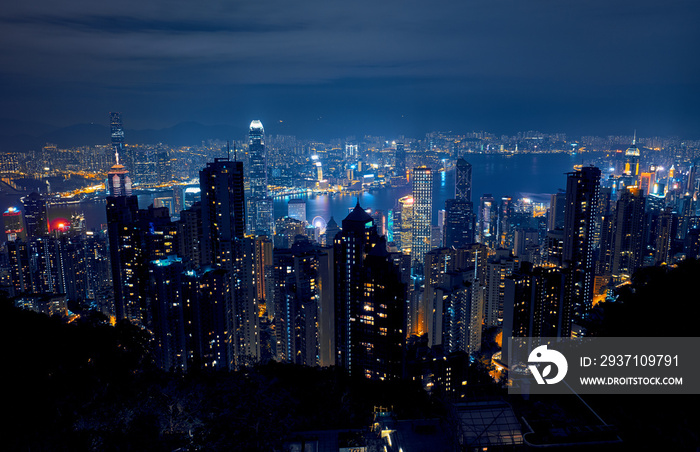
(116, 131)
(629, 232)
(35, 215)
(488, 218)
(369, 301)
(224, 246)
(632, 158)
(582, 191)
(260, 204)
(422, 215)
(126, 253)
(14, 224)
(403, 221)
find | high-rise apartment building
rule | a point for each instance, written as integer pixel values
(629, 233)
(582, 191)
(35, 215)
(224, 246)
(370, 299)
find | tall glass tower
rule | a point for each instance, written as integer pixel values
(260, 204)
(463, 180)
(422, 214)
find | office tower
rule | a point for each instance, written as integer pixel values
(260, 205)
(556, 211)
(463, 181)
(488, 217)
(117, 133)
(422, 215)
(632, 158)
(13, 224)
(223, 245)
(581, 207)
(403, 235)
(167, 313)
(35, 215)
(126, 255)
(647, 180)
(400, 160)
(296, 208)
(458, 230)
(629, 233)
(505, 223)
(369, 301)
(498, 269)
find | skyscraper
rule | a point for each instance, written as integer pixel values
(629, 232)
(223, 211)
(260, 205)
(116, 130)
(463, 180)
(369, 301)
(488, 217)
(400, 160)
(129, 274)
(35, 215)
(459, 223)
(422, 215)
(224, 246)
(581, 205)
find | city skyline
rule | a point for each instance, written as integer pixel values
(342, 69)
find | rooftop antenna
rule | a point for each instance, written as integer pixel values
(634, 140)
(116, 154)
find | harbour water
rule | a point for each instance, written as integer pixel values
(534, 176)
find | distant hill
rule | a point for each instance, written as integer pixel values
(22, 136)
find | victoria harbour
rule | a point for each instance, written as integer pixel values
(533, 176)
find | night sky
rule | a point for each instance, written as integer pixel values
(330, 68)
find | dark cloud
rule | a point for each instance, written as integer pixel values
(503, 63)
